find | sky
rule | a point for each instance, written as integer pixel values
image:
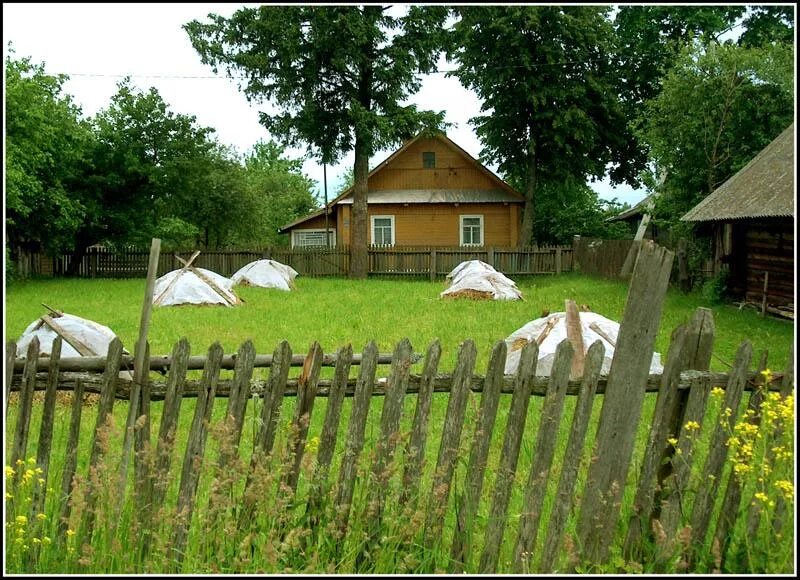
(97, 45)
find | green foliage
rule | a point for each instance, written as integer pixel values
(550, 107)
(47, 145)
(740, 100)
(337, 75)
(714, 288)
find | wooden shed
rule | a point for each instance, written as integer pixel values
(751, 217)
(430, 192)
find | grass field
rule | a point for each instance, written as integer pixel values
(335, 312)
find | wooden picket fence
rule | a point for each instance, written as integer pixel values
(662, 484)
(414, 262)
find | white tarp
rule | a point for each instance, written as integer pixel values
(266, 274)
(94, 336)
(531, 331)
(477, 279)
(192, 289)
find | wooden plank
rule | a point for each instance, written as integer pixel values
(450, 442)
(354, 442)
(565, 498)
(729, 511)
(539, 473)
(512, 441)
(242, 374)
(622, 404)
(330, 432)
(718, 451)
(70, 460)
(764, 299)
(546, 330)
(193, 459)
(217, 289)
(44, 443)
(306, 393)
(273, 398)
(381, 471)
(142, 448)
(73, 341)
(575, 336)
(467, 503)
(11, 354)
(20, 446)
(415, 450)
(165, 443)
(102, 424)
(639, 524)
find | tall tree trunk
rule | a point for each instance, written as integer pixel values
(82, 243)
(358, 225)
(363, 148)
(526, 231)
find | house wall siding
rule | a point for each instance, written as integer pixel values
(452, 171)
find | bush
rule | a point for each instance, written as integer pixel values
(715, 289)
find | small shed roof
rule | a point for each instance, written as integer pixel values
(645, 205)
(762, 188)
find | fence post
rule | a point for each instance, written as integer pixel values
(558, 261)
(433, 265)
(576, 242)
(623, 400)
(490, 256)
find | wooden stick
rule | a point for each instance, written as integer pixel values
(53, 311)
(594, 326)
(575, 336)
(764, 298)
(211, 283)
(157, 301)
(82, 348)
(140, 372)
(546, 330)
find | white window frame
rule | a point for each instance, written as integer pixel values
(372, 228)
(313, 230)
(461, 219)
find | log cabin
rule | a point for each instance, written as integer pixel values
(751, 218)
(430, 192)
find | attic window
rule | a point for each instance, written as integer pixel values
(428, 160)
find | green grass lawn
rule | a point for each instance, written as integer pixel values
(337, 311)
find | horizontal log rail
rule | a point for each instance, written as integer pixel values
(441, 384)
(163, 362)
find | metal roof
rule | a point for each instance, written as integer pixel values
(762, 188)
(438, 196)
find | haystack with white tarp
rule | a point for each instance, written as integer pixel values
(81, 337)
(479, 280)
(266, 274)
(549, 331)
(191, 285)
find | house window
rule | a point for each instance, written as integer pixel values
(312, 238)
(383, 230)
(471, 230)
(429, 160)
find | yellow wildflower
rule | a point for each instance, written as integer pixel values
(41, 516)
(692, 426)
(786, 488)
(761, 496)
(70, 533)
(46, 541)
(38, 471)
(9, 495)
(20, 462)
(21, 520)
(672, 441)
(41, 481)
(37, 541)
(31, 461)
(9, 471)
(717, 392)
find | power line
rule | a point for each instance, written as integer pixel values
(235, 77)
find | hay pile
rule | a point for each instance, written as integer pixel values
(478, 280)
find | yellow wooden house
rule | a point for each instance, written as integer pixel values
(430, 192)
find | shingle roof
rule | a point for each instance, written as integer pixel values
(762, 188)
